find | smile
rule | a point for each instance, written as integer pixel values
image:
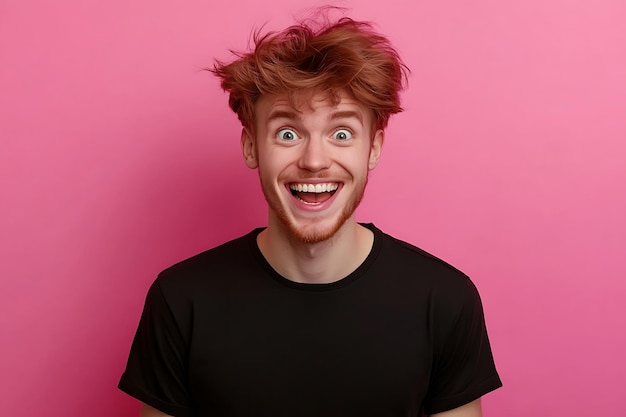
(313, 193)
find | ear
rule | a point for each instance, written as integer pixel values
(376, 148)
(248, 147)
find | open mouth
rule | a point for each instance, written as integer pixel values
(313, 193)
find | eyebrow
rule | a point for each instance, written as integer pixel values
(284, 114)
(347, 114)
(293, 115)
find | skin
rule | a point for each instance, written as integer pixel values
(326, 144)
(318, 142)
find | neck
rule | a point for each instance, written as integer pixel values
(316, 263)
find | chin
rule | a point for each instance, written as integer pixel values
(314, 234)
(316, 231)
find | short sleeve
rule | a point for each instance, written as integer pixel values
(156, 373)
(463, 366)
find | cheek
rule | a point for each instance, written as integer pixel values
(359, 161)
(271, 168)
(277, 160)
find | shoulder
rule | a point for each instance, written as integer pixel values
(210, 267)
(445, 286)
(400, 254)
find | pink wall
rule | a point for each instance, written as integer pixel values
(120, 157)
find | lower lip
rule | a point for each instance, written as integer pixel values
(313, 207)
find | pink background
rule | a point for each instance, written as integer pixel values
(119, 157)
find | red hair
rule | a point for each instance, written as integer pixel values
(308, 57)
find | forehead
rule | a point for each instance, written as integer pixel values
(269, 108)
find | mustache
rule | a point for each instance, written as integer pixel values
(305, 175)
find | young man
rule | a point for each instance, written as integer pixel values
(316, 314)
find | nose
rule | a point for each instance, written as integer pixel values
(315, 155)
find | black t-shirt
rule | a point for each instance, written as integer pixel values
(223, 334)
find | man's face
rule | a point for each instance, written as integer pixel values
(313, 161)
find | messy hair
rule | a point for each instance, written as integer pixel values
(321, 57)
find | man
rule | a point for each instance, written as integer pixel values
(316, 314)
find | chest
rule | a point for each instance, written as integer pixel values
(310, 354)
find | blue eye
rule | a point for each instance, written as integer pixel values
(287, 134)
(342, 134)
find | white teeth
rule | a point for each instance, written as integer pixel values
(314, 188)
